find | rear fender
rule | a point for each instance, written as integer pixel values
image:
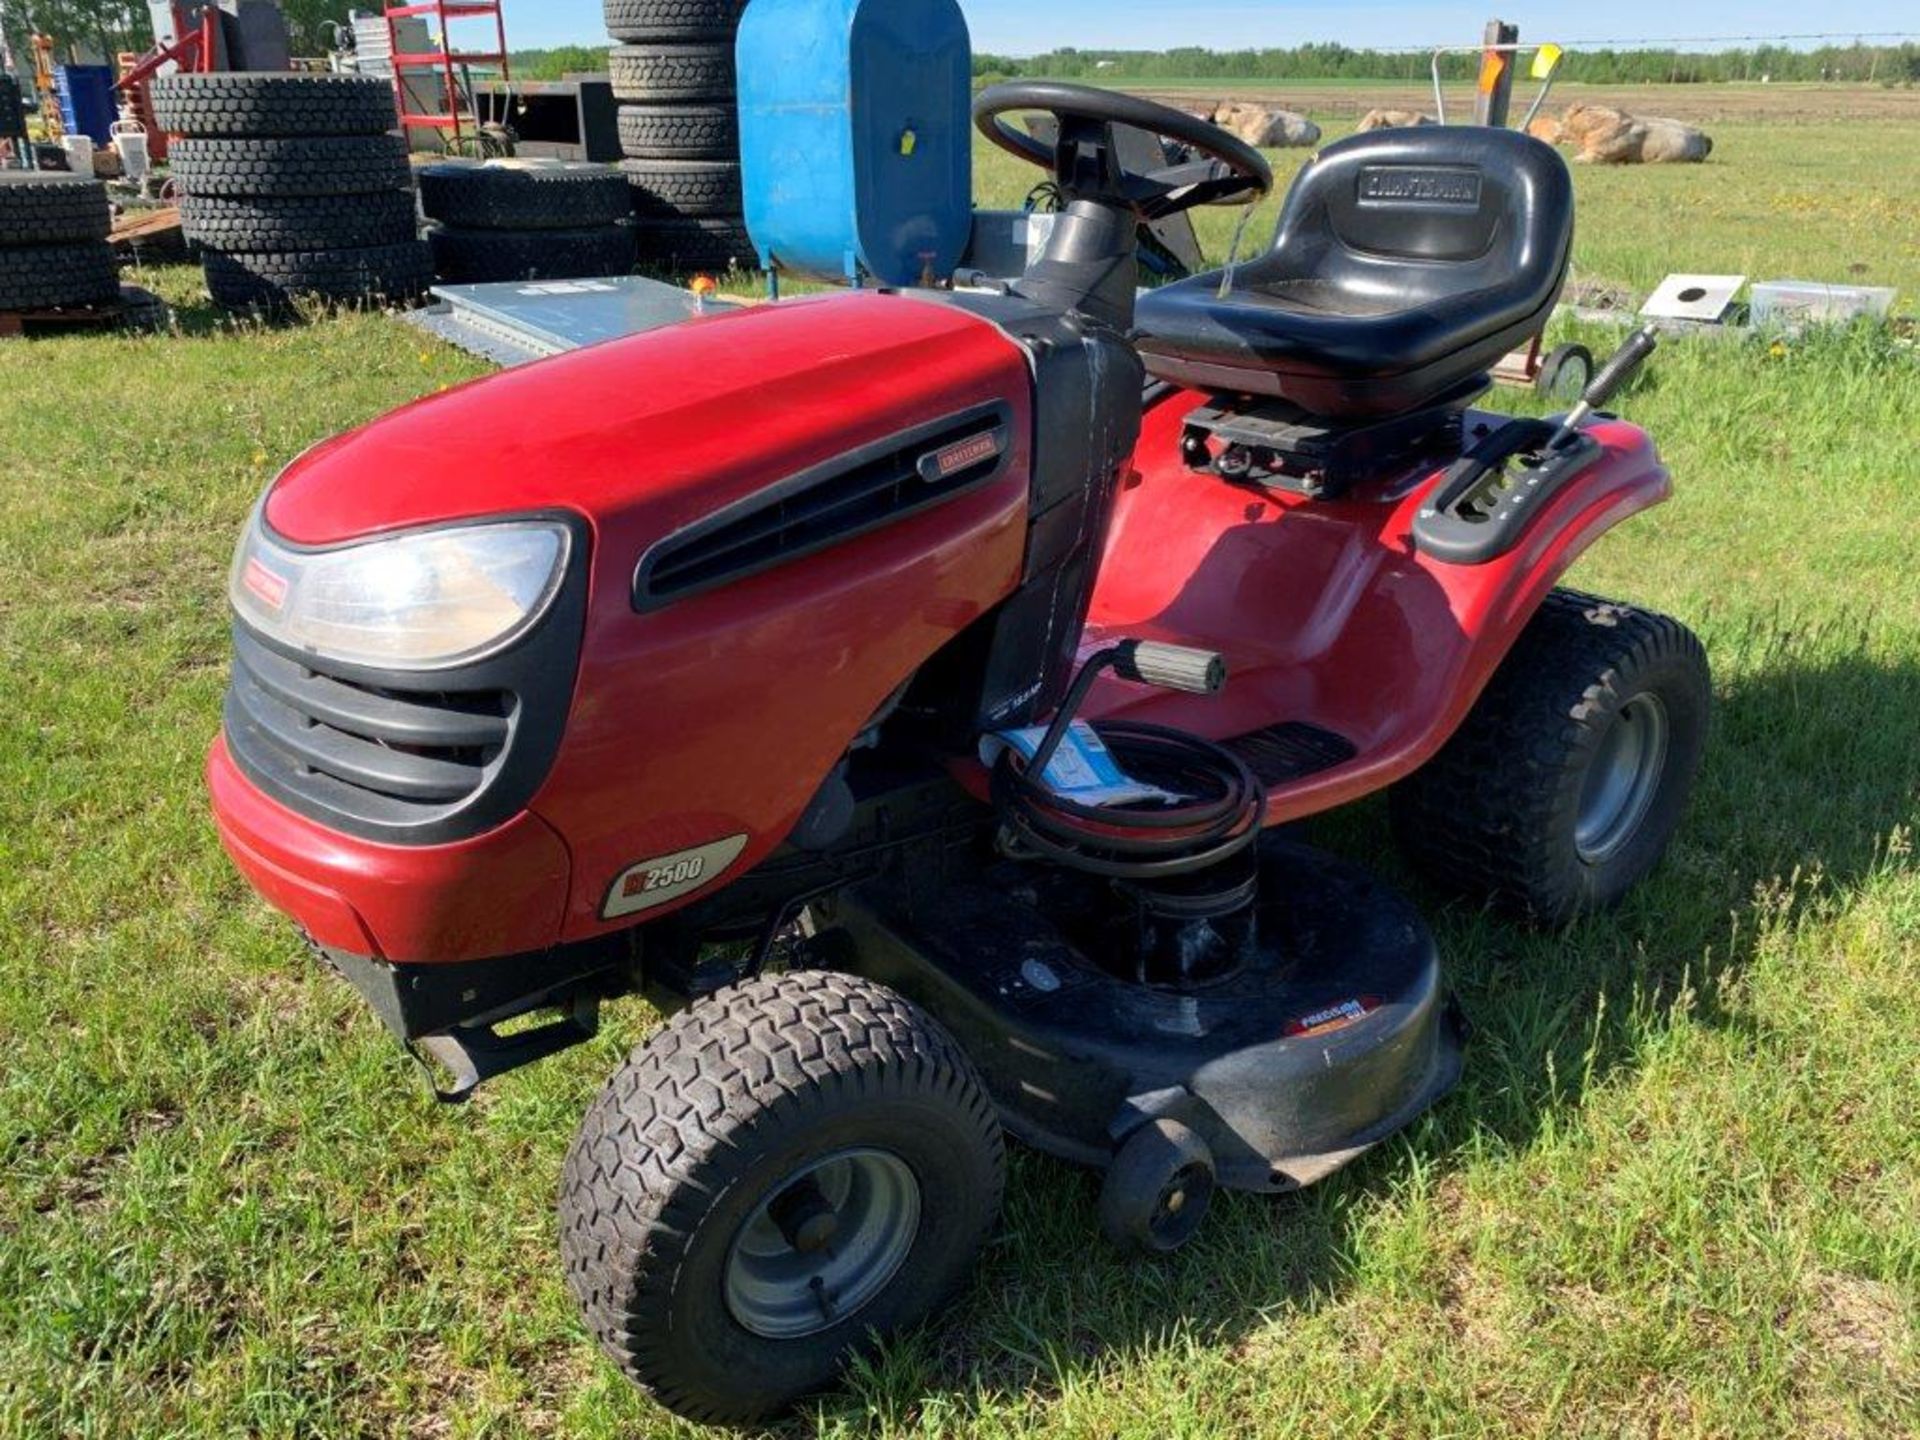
(1327, 612)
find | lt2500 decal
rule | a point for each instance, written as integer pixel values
(654, 882)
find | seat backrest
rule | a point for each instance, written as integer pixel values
(1471, 208)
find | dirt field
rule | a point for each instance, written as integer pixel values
(1697, 104)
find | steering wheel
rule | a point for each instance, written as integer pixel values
(1083, 160)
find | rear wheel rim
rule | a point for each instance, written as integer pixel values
(1622, 779)
(826, 1240)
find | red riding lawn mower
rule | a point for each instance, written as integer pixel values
(851, 676)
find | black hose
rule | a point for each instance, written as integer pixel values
(1220, 817)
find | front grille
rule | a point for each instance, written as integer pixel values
(359, 750)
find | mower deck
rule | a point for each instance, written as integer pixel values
(1327, 1030)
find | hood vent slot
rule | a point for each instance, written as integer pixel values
(848, 496)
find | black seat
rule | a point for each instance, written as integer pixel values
(1405, 263)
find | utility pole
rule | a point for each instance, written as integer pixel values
(1493, 96)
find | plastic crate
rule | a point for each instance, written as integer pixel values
(1810, 302)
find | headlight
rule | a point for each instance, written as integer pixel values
(421, 601)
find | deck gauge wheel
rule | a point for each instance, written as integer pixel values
(1158, 1189)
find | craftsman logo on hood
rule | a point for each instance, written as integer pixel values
(963, 455)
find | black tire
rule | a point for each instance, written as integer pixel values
(376, 273)
(481, 257)
(1156, 1192)
(283, 223)
(695, 244)
(708, 1121)
(679, 132)
(254, 103)
(669, 189)
(1565, 371)
(1505, 812)
(523, 197)
(291, 165)
(673, 19)
(144, 310)
(654, 73)
(48, 277)
(44, 208)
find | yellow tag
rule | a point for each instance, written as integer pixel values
(1546, 60)
(908, 140)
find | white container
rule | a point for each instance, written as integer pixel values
(1810, 302)
(130, 143)
(79, 150)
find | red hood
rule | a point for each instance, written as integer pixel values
(686, 418)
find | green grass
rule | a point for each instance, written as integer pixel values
(1678, 1192)
(1776, 200)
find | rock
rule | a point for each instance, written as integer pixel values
(1601, 135)
(1266, 126)
(1391, 120)
(1547, 128)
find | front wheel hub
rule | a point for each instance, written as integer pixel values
(826, 1240)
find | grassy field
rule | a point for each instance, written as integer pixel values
(1677, 1194)
(1778, 199)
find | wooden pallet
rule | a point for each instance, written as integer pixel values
(15, 324)
(158, 229)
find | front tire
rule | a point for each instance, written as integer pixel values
(1565, 783)
(788, 1168)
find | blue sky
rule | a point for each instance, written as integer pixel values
(1024, 27)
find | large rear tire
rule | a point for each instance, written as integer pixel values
(1565, 783)
(507, 195)
(48, 208)
(248, 104)
(673, 19)
(679, 132)
(373, 274)
(785, 1170)
(293, 165)
(51, 277)
(666, 72)
(482, 257)
(279, 223)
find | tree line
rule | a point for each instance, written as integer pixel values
(102, 29)
(106, 27)
(1890, 64)
(1863, 64)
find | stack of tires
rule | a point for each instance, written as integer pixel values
(542, 220)
(294, 186)
(13, 115)
(672, 71)
(53, 242)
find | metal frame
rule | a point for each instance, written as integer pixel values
(454, 66)
(197, 52)
(1546, 85)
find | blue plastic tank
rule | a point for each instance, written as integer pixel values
(85, 93)
(856, 155)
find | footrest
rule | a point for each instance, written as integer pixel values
(472, 1054)
(1291, 751)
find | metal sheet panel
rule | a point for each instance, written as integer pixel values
(515, 322)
